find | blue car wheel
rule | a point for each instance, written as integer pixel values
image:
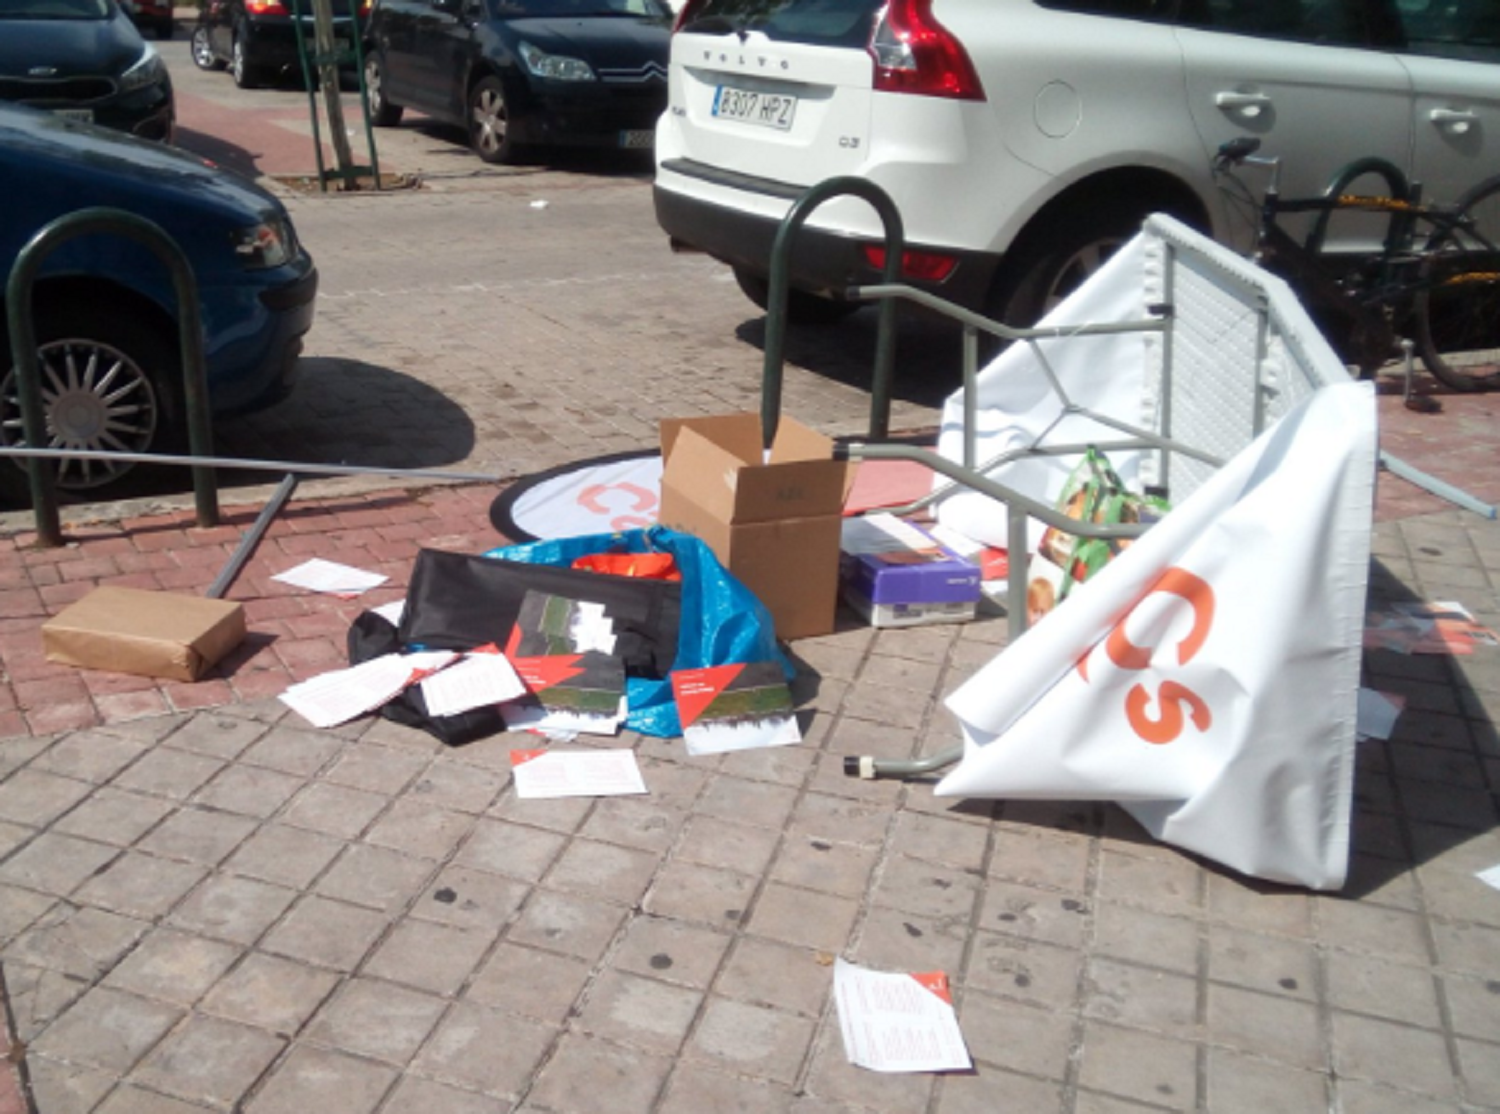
(107, 384)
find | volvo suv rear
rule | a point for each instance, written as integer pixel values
(1021, 140)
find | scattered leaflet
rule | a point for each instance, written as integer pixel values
(318, 575)
(1376, 712)
(571, 685)
(543, 774)
(898, 1022)
(391, 612)
(993, 560)
(734, 707)
(483, 678)
(337, 697)
(1441, 627)
(1490, 877)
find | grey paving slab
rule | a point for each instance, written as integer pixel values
(227, 910)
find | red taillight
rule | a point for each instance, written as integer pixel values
(265, 7)
(685, 13)
(914, 53)
(928, 266)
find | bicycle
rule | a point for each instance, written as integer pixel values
(1443, 295)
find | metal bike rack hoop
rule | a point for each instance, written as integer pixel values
(19, 290)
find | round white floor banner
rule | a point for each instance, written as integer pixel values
(602, 495)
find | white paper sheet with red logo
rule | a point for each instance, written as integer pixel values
(897, 1022)
(1207, 678)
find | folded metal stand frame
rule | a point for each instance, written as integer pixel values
(1277, 372)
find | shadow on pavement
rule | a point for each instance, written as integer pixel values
(927, 363)
(339, 413)
(231, 156)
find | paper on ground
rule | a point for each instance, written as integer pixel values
(318, 575)
(1376, 712)
(392, 612)
(479, 681)
(897, 1022)
(543, 774)
(338, 696)
(1490, 877)
(532, 715)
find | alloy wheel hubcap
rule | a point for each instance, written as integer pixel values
(489, 120)
(94, 397)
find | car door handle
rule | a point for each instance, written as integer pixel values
(1458, 121)
(1245, 104)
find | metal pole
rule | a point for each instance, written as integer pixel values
(776, 301)
(253, 465)
(252, 538)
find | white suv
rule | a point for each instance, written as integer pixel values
(1022, 139)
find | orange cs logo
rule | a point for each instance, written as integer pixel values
(602, 499)
(1174, 702)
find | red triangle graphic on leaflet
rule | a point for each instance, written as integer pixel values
(521, 757)
(937, 982)
(544, 672)
(696, 689)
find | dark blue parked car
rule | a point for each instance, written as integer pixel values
(105, 310)
(84, 59)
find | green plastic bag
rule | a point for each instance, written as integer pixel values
(1095, 493)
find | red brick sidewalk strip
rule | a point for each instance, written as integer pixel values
(293, 634)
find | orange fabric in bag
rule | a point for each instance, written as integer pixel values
(646, 566)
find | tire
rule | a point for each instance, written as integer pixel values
(383, 114)
(802, 308)
(1056, 259)
(489, 122)
(245, 75)
(109, 382)
(202, 51)
(1457, 314)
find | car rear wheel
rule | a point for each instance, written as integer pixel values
(246, 76)
(489, 122)
(203, 52)
(109, 383)
(383, 114)
(1058, 258)
(802, 308)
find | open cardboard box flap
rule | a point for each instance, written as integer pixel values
(774, 525)
(716, 463)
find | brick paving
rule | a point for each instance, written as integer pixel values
(207, 905)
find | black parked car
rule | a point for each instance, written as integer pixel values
(520, 73)
(257, 39)
(155, 14)
(85, 60)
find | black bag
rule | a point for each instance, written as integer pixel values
(457, 601)
(372, 635)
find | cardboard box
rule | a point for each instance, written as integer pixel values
(773, 523)
(155, 634)
(908, 614)
(886, 560)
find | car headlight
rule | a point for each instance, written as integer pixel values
(148, 69)
(269, 244)
(555, 66)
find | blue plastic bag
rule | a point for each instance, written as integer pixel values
(723, 623)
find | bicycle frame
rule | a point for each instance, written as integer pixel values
(1383, 286)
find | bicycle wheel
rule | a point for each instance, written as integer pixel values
(1457, 312)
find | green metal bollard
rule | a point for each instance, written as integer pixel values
(19, 313)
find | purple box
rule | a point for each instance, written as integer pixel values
(886, 560)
